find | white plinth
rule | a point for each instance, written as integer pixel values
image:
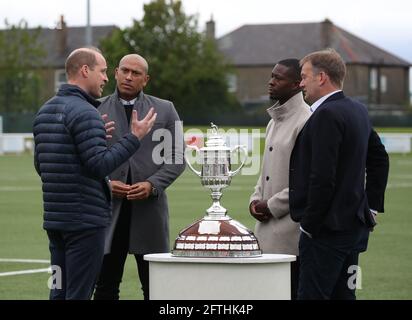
(182, 278)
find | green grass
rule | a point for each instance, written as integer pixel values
(394, 130)
(386, 266)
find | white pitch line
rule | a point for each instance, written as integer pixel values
(13, 273)
(25, 260)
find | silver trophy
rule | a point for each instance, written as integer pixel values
(216, 234)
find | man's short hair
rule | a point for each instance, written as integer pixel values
(294, 68)
(79, 58)
(330, 62)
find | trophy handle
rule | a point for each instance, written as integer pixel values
(188, 163)
(243, 148)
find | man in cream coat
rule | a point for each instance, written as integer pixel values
(269, 204)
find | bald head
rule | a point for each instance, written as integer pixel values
(79, 58)
(135, 58)
(131, 76)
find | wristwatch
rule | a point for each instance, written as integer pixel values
(154, 191)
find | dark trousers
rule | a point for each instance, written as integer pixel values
(328, 264)
(76, 259)
(111, 274)
(294, 278)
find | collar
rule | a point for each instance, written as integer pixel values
(282, 111)
(318, 102)
(72, 89)
(128, 103)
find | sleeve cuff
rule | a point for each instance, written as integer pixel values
(305, 232)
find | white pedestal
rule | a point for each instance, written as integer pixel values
(182, 278)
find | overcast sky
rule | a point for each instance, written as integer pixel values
(387, 24)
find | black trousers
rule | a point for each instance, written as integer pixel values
(111, 274)
(294, 278)
(76, 259)
(329, 262)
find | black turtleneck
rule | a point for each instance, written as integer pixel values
(128, 108)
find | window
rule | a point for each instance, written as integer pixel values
(384, 84)
(59, 78)
(373, 79)
(231, 83)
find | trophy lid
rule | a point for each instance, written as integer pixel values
(214, 140)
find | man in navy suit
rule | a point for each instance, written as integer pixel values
(338, 175)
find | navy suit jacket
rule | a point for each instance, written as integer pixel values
(333, 155)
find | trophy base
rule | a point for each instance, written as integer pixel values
(218, 237)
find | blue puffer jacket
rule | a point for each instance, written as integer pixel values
(73, 160)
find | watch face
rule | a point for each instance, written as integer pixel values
(154, 191)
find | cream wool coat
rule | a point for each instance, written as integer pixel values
(279, 234)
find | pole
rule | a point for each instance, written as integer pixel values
(89, 39)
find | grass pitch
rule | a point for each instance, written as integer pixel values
(386, 266)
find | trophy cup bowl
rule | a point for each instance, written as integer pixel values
(216, 234)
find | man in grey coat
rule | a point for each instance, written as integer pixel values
(269, 204)
(140, 210)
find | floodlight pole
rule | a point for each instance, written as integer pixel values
(88, 27)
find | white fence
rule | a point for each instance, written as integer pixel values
(15, 143)
(396, 142)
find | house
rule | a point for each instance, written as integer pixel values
(58, 43)
(374, 76)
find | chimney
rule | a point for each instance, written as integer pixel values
(210, 29)
(61, 36)
(326, 33)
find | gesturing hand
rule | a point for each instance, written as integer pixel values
(108, 125)
(142, 127)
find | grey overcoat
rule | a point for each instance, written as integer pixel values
(159, 160)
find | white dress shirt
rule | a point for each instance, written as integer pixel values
(318, 102)
(127, 103)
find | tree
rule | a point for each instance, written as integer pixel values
(20, 53)
(185, 67)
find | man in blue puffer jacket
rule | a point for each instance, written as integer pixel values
(73, 160)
